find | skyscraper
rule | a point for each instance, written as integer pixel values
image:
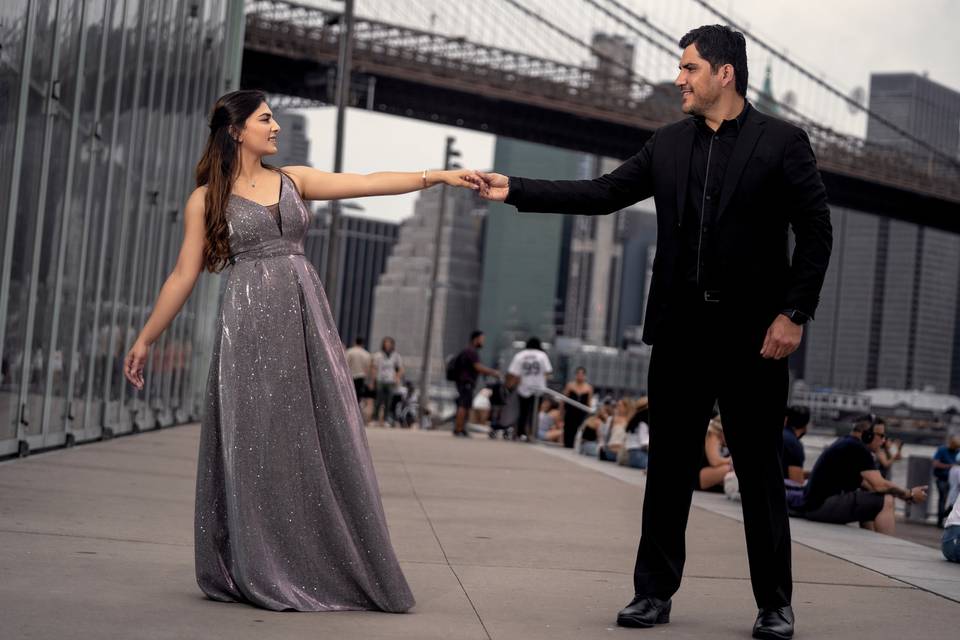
(925, 109)
(596, 272)
(525, 254)
(400, 298)
(888, 315)
(293, 142)
(365, 245)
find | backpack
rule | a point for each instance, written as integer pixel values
(453, 368)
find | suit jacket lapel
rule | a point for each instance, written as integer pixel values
(742, 150)
(684, 151)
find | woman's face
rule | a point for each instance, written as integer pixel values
(581, 376)
(259, 135)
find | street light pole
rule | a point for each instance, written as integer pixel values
(331, 277)
(449, 154)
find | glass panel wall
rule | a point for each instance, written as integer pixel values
(103, 107)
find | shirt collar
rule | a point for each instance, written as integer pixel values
(736, 123)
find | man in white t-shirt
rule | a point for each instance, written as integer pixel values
(533, 368)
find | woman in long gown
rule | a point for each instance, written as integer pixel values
(288, 511)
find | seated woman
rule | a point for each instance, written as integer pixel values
(617, 435)
(590, 431)
(638, 437)
(715, 464)
(549, 427)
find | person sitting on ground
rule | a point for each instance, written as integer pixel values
(945, 457)
(549, 426)
(591, 429)
(795, 424)
(889, 452)
(616, 436)
(637, 443)
(846, 486)
(950, 543)
(717, 462)
(580, 390)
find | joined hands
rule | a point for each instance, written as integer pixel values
(490, 186)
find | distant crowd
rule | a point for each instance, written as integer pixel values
(849, 482)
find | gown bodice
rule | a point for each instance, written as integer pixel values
(255, 232)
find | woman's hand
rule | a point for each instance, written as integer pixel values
(134, 362)
(467, 178)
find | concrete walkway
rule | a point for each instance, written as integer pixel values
(498, 540)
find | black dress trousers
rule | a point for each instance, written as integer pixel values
(707, 354)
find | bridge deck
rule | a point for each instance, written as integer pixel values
(498, 540)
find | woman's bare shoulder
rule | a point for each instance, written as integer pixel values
(296, 173)
(196, 202)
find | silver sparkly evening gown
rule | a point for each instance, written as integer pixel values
(288, 511)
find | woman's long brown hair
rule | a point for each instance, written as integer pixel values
(218, 169)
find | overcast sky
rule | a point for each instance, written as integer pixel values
(840, 40)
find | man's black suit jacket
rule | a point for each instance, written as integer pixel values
(771, 182)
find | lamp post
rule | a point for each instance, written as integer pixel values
(448, 163)
(331, 277)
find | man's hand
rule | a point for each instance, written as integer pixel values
(495, 186)
(782, 339)
(918, 494)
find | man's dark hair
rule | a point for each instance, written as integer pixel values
(721, 45)
(534, 343)
(797, 417)
(863, 422)
(579, 369)
(359, 341)
(475, 334)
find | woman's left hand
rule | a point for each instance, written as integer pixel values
(467, 178)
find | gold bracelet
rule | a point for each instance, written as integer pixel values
(423, 176)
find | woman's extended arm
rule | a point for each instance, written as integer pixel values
(320, 185)
(175, 290)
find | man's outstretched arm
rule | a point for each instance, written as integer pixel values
(629, 183)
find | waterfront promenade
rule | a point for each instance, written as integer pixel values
(499, 540)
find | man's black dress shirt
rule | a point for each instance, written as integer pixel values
(708, 164)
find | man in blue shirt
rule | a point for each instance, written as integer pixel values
(945, 457)
(845, 485)
(794, 428)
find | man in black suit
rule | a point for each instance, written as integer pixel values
(727, 306)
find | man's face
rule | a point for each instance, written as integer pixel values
(478, 342)
(699, 87)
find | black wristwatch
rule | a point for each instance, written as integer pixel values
(796, 316)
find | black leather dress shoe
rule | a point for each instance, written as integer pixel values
(644, 612)
(774, 624)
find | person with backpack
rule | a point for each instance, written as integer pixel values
(463, 369)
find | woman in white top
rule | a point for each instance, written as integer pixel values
(637, 440)
(617, 436)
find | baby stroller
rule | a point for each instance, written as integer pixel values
(407, 407)
(504, 406)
